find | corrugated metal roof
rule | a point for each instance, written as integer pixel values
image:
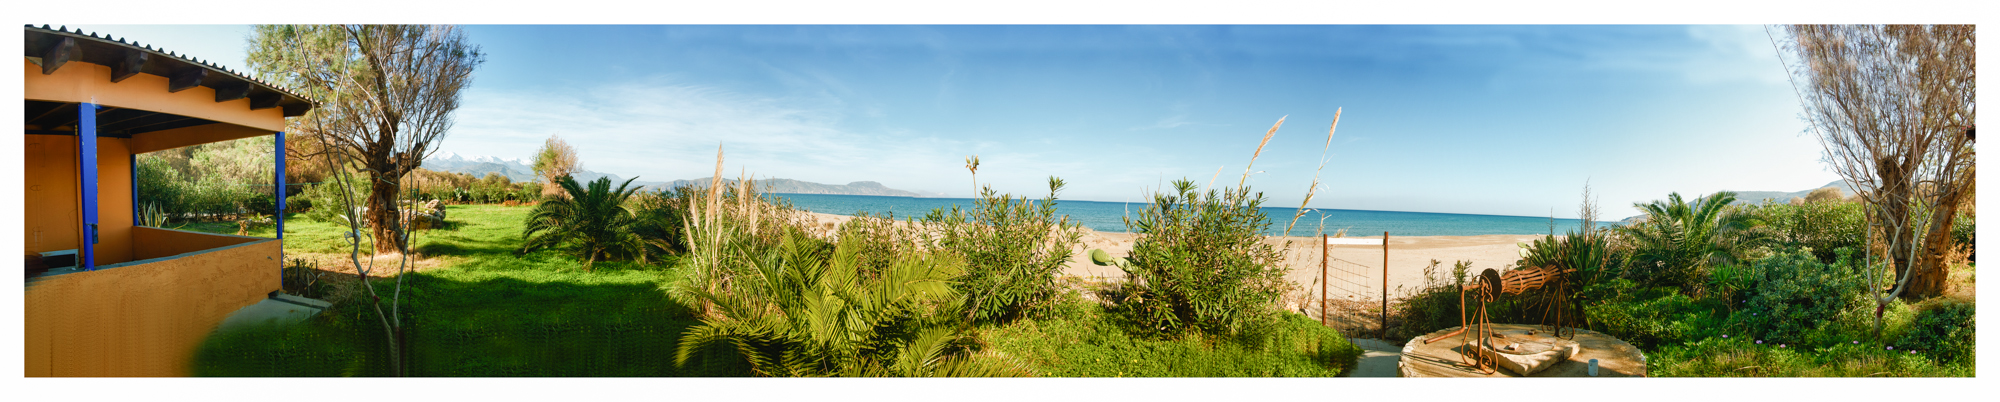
(105, 50)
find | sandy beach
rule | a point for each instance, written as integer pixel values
(1407, 257)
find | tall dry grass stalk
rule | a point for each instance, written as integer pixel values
(1314, 188)
(728, 227)
(706, 239)
(1260, 150)
(1218, 174)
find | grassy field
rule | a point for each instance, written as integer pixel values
(488, 311)
(1079, 339)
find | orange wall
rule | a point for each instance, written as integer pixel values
(53, 214)
(85, 82)
(50, 208)
(185, 136)
(152, 242)
(145, 318)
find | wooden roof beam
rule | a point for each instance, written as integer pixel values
(265, 101)
(232, 92)
(129, 65)
(187, 78)
(57, 54)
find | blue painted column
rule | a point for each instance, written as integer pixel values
(86, 149)
(280, 215)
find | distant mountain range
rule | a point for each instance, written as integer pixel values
(521, 170)
(1753, 197)
(1756, 197)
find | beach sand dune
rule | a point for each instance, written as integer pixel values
(1407, 257)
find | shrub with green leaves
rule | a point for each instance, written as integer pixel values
(1652, 317)
(1680, 240)
(1795, 293)
(1820, 226)
(206, 180)
(659, 217)
(1435, 305)
(327, 198)
(1200, 262)
(594, 221)
(807, 309)
(1943, 331)
(1014, 250)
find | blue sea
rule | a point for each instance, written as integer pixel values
(1107, 216)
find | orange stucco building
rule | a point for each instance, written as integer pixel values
(133, 300)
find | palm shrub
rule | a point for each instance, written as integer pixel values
(593, 220)
(1200, 262)
(1679, 241)
(1014, 250)
(802, 309)
(1587, 251)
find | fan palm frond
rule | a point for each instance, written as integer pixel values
(592, 220)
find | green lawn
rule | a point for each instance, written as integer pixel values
(1080, 339)
(492, 312)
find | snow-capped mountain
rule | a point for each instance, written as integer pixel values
(520, 170)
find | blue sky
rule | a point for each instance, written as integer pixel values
(1483, 119)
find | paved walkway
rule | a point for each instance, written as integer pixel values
(279, 309)
(1378, 359)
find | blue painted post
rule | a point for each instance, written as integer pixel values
(132, 174)
(280, 215)
(86, 149)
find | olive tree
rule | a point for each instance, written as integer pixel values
(1893, 106)
(387, 95)
(555, 160)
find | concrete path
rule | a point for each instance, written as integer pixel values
(279, 309)
(1378, 359)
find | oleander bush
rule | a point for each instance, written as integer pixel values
(1794, 293)
(1200, 263)
(1014, 249)
(1820, 226)
(326, 201)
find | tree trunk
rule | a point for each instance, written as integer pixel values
(383, 213)
(1931, 275)
(1894, 209)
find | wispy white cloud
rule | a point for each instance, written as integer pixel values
(1716, 54)
(1168, 122)
(664, 130)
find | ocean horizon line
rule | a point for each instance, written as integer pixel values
(1061, 201)
(1108, 217)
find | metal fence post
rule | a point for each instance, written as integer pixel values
(1322, 279)
(1385, 285)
